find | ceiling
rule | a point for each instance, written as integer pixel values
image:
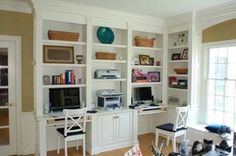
(158, 8)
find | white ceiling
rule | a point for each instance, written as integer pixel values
(158, 8)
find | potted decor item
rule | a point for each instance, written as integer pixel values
(105, 35)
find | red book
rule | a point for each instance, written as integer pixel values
(72, 77)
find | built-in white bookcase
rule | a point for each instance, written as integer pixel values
(50, 69)
(178, 42)
(155, 52)
(119, 47)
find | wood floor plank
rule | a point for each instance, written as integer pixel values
(145, 142)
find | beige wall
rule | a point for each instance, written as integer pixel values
(220, 32)
(21, 24)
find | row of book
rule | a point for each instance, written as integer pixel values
(66, 78)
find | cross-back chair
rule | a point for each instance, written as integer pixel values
(176, 129)
(74, 128)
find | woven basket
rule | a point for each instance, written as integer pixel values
(181, 70)
(105, 56)
(62, 35)
(143, 42)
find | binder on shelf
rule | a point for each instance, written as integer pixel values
(68, 76)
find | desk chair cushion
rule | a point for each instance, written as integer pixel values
(169, 127)
(61, 131)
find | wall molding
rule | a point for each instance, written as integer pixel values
(211, 16)
(15, 5)
(86, 10)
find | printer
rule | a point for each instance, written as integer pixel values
(107, 74)
(109, 99)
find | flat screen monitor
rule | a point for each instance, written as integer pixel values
(144, 93)
(64, 98)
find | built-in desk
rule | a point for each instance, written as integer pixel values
(46, 120)
(105, 130)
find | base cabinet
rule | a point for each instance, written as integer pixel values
(106, 129)
(111, 131)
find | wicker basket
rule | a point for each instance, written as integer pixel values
(181, 70)
(105, 56)
(62, 35)
(143, 42)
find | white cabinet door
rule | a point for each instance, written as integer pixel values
(124, 126)
(106, 129)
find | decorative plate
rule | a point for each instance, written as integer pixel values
(105, 35)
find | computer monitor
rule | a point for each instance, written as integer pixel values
(144, 94)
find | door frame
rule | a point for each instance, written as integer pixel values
(16, 40)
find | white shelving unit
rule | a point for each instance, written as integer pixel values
(178, 43)
(155, 66)
(119, 47)
(51, 69)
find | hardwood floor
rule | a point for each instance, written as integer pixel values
(144, 140)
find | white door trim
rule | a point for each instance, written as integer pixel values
(17, 41)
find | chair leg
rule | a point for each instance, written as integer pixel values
(185, 136)
(168, 140)
(174, 144)
(66, 148)
(157, 139)
(77, 145)
(58, 144)
(84, 148)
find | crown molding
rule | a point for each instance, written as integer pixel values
(214, 15)
(86, 10)
(15, 5)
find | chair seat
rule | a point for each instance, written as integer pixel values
(61, 131)
(169, 127)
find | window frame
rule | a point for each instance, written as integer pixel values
(206, 48)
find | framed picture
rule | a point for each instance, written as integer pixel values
(154, 76)
(151, 61)
(175, 56)
(46, 79)
(58, 54)
(184, 54)
(144, 59)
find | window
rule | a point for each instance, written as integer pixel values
(221, 86)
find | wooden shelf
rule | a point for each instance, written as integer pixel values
(178, 75)
(178, 89)
(109, 45)
(62, 43)
(62, 65)
(108, 80)
(4, 87)
(109, 61)
(145, 83)
(143, 66)
(64, 86)
(148, 48)
(178, 61)
(179, 47)
(3, 67)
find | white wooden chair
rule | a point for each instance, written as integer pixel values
(74, 129)
(176, 129)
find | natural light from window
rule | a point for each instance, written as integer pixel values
(221, 86)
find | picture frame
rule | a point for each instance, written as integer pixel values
(151, 61)
(176, 56)
(58, 54)
(184, 54)
(46, 79)
(154, 76)
(144, 59)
